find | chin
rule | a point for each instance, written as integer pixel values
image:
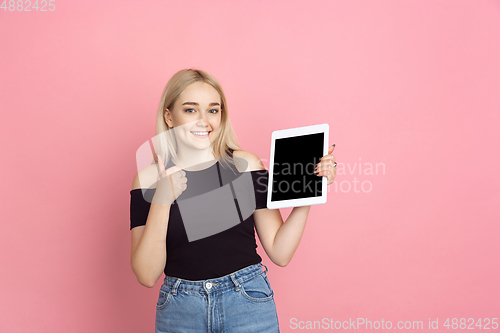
(201, 145)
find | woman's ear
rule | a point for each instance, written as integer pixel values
(168, 117)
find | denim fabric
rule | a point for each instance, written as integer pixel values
(240, 302)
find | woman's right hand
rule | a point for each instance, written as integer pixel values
(170, 184)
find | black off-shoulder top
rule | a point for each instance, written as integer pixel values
(216, 254)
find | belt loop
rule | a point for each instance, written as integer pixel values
(236, 283)
(265, 267)
(176, 284)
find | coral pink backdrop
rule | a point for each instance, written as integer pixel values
(410, 91)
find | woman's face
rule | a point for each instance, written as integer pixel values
(196, 116)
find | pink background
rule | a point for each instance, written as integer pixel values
(411, 85)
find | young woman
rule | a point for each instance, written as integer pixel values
(213, 282)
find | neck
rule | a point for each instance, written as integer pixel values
(194, 159)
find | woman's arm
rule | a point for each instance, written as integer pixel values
(281, 240)
(148, 251)
(149, 254)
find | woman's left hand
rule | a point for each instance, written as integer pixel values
(327, 166)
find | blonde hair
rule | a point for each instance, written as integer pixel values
(165, 144)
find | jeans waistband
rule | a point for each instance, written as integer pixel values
(210, 285)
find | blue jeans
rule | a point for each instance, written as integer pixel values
(240, 302)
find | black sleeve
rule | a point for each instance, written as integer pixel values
(259, 178)
(139, 209)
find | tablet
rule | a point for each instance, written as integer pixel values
(294, 155)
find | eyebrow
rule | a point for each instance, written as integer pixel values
(194, 103)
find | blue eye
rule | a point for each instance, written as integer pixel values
(210, 111)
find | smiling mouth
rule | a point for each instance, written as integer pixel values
(201, 134)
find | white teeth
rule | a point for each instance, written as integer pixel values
(200, 133)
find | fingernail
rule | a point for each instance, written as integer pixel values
(333, 145)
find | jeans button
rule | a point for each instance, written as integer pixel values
(208, 285)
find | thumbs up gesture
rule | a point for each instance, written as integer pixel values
(170, 184)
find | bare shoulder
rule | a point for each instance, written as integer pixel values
(146, 177)
(253, 161)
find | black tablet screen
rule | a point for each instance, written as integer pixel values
(295, 159)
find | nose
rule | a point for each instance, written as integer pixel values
(202, 121)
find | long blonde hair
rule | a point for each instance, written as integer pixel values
(165, 143)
